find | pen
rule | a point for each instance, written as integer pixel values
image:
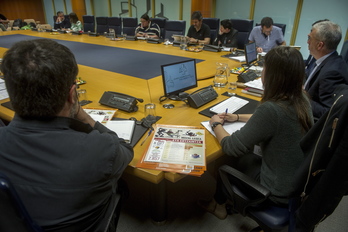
(148, 134)
(225, 116)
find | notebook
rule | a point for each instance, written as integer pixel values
(123, 128)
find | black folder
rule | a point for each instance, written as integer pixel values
(247, 109)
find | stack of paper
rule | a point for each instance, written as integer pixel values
(175, 148)
(3, 91)
(254, 87)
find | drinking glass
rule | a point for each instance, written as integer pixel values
(231, 88)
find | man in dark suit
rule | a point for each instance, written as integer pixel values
(61, 21)
(329, 70)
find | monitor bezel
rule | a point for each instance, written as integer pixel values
(249, 62)
(173, 95)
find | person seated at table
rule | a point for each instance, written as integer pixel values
(227, 36)
(76, 24)
(147, 29)
(266, 36)
(61, 21)
(198, 31)
(277, 125)
(3, 22)
(64, 165)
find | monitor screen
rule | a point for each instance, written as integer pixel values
(250, 53)
(178, 77)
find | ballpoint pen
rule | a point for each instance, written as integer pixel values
(148, 134)
(225, 116)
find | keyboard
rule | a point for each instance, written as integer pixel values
(232, 104)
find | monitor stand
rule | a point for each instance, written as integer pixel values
(179, 97)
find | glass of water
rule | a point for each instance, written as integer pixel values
(231, 88)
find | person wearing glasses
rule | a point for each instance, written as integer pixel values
(266, 36)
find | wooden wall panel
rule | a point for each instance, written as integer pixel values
(204, 6)
(79, 7)
(23, 9)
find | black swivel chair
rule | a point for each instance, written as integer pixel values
(116, 24)
(161, 22)
(344, 51)
(244, 27)
(129, 25)
(174, 27)
(88, 23)
(247, 196)
(280, 25)
(214, 25)
(13, 214)
(102, 25)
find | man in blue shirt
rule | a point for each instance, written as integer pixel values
(266, 36)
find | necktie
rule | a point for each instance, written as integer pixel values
(310, 67)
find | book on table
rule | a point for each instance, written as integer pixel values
(123, 128)
(176, 148)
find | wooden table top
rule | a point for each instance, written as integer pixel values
(151, 90)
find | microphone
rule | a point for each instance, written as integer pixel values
(247, 76)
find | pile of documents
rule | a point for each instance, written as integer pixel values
(254, 87)
(175, 148)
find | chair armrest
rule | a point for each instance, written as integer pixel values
(242, 190)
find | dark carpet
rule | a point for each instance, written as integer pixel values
(145, 65)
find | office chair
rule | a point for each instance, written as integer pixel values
(214, 25)
(116, 24)
(161, 22)
(129, 25)
(244, 27)
(344, 51)
(280, 25)
(13, 214)
(88, 23)
(102, 25)
(247, 197)
(174, 27)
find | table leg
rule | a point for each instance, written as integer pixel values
(158, 198)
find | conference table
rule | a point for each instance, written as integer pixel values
(150, 89)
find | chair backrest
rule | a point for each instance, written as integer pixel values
(102, 25)
(161, 22)
(88, 23)
(244, 27)
(344, 51)
(129, 25)
(280, 25)
(214, 25)
(174, 27)
(13, 214)
(116, 24)
(29, 21)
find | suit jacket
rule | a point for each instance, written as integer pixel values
(227, 39)
(328, 75)
(326, 159)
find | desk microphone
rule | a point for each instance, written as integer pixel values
(247, 76)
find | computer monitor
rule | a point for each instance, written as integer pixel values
(178, 77)
(250, 53)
